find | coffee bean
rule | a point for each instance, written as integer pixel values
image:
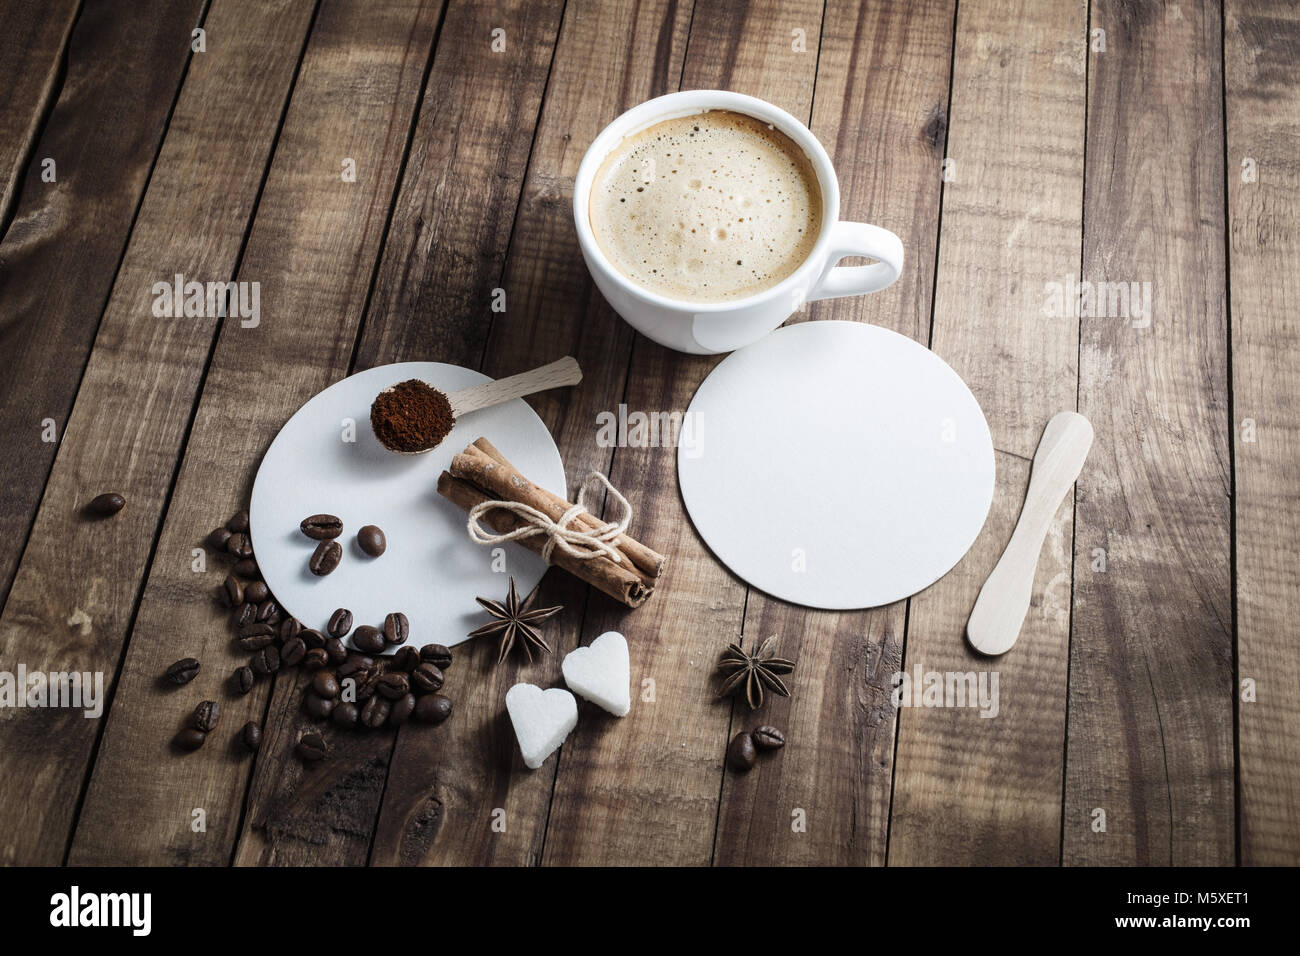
(289, 627)
(232, 591)
(190, 739)
(371, 540)
(406, 659)
(255, 592)
(315, 659)
(367, 682)
(312, 637)
(251, 639)
(267, 610)
(240, 545)
(311, 747)
(183, 671)
(325, 558)
(336, 649)
(356, 664)
(368, 639)
(206, 716)
(238, 523)
(325, 684)
(433, 709)
(293, 651)
(218, 538)
(109, 503)
(244, 615)
(396, 628)
(243, 679)
(375, 712)
(318, 707)
(346, 714)
(394, 685)
(401, 710)
(266, 661)
(436, 654)
(247, 568)
(251, 735)
(340, 623)
(321, 527)
(426, 678)
(740, 752)
(768, 738)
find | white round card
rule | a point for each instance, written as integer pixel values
(431, 571)
(836, 465)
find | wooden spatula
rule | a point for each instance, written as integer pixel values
(1000, 609)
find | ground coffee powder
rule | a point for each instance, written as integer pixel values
(411, 416)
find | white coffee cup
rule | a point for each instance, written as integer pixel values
(711, 327)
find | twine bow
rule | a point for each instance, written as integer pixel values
(582, 544)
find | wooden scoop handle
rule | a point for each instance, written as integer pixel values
(563, 372)
(1000, 609)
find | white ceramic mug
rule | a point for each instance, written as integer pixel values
(711, 327)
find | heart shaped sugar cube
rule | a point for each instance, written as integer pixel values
(542, 719)
(601, 673)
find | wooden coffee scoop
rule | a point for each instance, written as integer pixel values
(1000, 609)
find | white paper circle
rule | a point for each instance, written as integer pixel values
(431, 571)
(836, 465)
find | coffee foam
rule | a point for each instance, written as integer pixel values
(708, 207)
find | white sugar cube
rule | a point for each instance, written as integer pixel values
(542, 719)
(601, 673)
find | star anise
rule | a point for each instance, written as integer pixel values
(753, 672)
(516, 622)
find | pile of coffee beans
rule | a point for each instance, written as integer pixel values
(742, 752)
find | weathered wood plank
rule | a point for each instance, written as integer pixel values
(445, 787)
(1150, 733)
(313, 248)
(31, 52)
(881, 109)
(1262, 80)
(76, 589)
(970, 789)
(64, 245)
(443, 256)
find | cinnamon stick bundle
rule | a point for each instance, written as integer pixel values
(481, 473)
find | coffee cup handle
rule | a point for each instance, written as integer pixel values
(859, 239)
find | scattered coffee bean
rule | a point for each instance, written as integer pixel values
(315, 659)
(321, 527)
(190, 739)
(109, 503)
(312, 747)
(368, 639)
(183, 671)
(266, 661)
(433, 709)
(371, 540)
(267, 610)
(426, 678)
(244, 615)
(243, 679)
(289, 627)
(356, 664)
(401, 710)
(255, 592)
(293, 651)
(218, 538)
(394, 684)
(325, 684)
(346, 714)
(437, 655)
(232, 591)
(325, 558)
(375, 712)
(206, 716)
(240, 545)
(238, 523)
(367, 682)
(247, 568)
(257, 629)
(337, 650)
(318, 707)
(406, 659)
(396, 628)
(251, 735)
(340, 623)
(253, 639)
(740, 752)
(312, 637)
(768, 738)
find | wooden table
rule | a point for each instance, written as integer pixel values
(1149, 713)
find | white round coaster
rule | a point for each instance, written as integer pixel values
(431, 571)
(836, 465)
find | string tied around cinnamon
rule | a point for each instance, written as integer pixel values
(582, 544)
